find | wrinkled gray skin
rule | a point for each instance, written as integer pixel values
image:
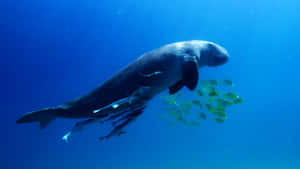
(167, 67)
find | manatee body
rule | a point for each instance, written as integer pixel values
(170, 67)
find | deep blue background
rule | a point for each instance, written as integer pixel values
(53, 51)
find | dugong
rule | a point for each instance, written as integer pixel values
(124, 96)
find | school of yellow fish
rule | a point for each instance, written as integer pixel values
(211, 100)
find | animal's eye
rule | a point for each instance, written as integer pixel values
(210, 46)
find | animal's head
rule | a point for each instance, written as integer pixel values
(212, 54)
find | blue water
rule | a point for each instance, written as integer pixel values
(54, 51)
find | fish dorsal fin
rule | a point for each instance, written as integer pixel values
(190, 73)
(176, 87)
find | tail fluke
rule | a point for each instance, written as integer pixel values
(44, 116)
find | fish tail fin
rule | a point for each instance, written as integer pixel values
(44, 116)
